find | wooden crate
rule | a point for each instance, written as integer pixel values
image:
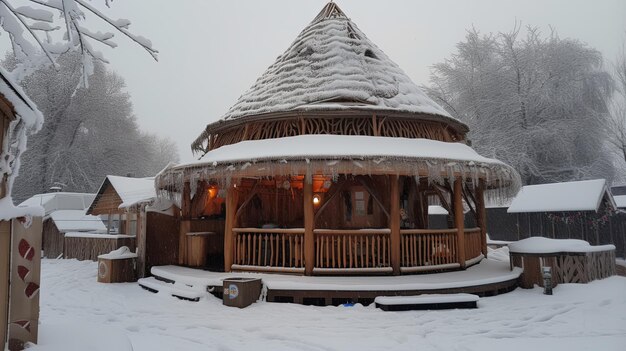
(119, 270)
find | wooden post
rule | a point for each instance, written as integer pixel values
(5, 263)
(309, 236)
(141, 240)
(481, 215)
(459, 220)
(185, 223)
(394, 223)
(232, 197)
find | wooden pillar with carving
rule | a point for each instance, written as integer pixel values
(459, 220)
(24, 281)
(309, 218)
(394, 223)
(232, 198)
(481, 215)
(185, 223)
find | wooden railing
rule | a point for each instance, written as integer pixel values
(428, 247)
(352, 249)
(269, 247)
(473, 244)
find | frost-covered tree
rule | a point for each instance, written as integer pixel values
(89, 132)
(534, 101)
(40, 31)
(616, 127)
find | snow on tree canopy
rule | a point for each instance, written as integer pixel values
(332, 65)
(583, 195)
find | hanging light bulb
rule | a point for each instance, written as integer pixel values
(316, 199)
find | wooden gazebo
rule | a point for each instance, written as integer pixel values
(328, 163)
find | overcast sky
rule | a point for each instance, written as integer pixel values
(212, 51)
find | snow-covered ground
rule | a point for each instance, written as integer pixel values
(77, 313)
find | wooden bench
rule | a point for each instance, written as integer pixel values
(426, 302)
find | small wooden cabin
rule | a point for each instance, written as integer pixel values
(583, 210)
(328, 164)
(63, 212)
(131, 208)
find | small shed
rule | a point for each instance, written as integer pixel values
(131, 209)
(583, 210)
(63, 212)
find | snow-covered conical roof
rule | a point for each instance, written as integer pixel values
(332, 65)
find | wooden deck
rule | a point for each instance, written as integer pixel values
(484, 279)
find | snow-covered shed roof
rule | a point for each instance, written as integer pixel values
(332, 65)
(131, 191)
(620, 201)
(52, 202)
(76, 221)
(586, 195)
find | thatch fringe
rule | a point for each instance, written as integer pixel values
(502, 181)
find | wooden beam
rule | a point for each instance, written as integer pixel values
(141, 240)
(394, 223)
(331, 195)
(232, 197)
(439, 191)
(248, 198)
(5, 272)
(481, 215)
(309, 226)
(459, 221)
(185, 223)
(470, 199)
(198, 201)
(370, 189)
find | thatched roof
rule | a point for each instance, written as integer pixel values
(332, 65)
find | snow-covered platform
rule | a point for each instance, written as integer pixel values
(488, 278)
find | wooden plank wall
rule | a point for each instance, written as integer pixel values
(52, 239)
(215, 260)
(91, 248)
(516, 226)
(161, 240)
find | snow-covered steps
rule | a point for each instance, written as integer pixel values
(180, 291)
(426, 302)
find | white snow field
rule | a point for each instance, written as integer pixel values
(77, 313)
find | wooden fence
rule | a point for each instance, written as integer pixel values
(567, 267)
(90, 246)
(428, 247)
(283, 248)
(352, 249)
(473, 244)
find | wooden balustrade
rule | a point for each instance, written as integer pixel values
(473, 243)
(352, 249)
(359, 250)
(269, 247)
(422, 248)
